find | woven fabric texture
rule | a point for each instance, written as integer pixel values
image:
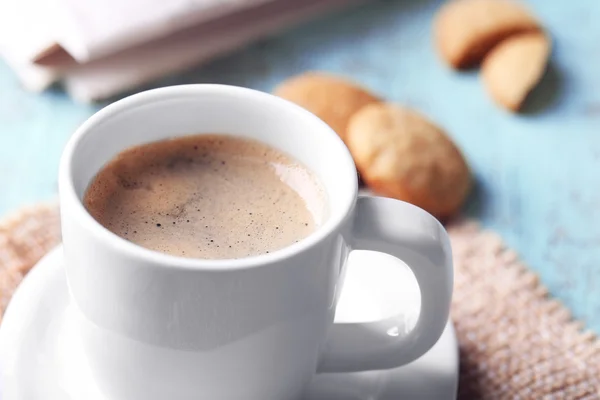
(515, 341)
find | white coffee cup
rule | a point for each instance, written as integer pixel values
(156, 326)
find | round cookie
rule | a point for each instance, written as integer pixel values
(331, 98)
(514, 68)
(401, 154)
(465, 30)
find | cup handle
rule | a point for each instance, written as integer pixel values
(417, 238)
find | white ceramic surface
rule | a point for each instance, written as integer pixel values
(154, 326)
(42, 358)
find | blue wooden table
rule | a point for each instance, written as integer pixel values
(538, 174)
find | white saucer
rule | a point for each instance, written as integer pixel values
(41, 357)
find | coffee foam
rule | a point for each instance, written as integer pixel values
(207, 196)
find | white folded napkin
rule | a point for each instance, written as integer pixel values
(100, 49)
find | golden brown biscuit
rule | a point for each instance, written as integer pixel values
(331, 98)
(465, 30)
(513, 68)
(401, 154)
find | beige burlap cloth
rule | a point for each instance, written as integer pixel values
(515, 342)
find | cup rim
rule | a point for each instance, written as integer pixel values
(338, 212)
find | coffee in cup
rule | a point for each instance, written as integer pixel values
(207, 196)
